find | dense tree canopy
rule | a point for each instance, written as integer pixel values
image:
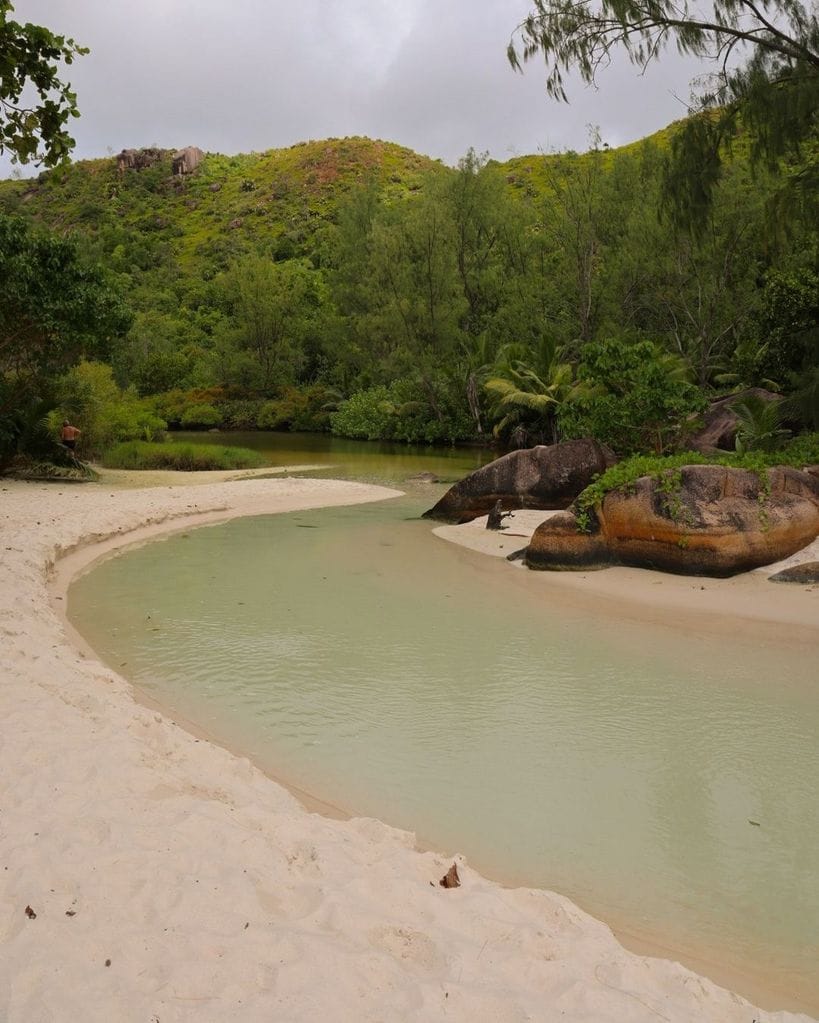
(35, 104)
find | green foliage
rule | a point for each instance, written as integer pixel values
(54, 310)
(89, 396)
(200, 417)
(799, 452)
(25, 434)
(29, 69)
(400, 412)
(352, 265)
(308, 409)
(269, 307)
(157, 353)
(787, 341)
(182, 457)
(240, 413)
(803, 403)
(172, 406)
(366, 415)
(758, 424)
(636, 397)
(526, 391)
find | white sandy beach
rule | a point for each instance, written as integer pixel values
(787, 611)
(147, 875)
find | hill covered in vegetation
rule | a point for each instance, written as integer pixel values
(354, 281)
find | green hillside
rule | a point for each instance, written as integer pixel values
(426, 302)
(276, 200)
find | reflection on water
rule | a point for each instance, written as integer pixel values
(369, 461)
(400, 677)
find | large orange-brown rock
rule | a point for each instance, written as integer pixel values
(546, 476)
(717, 521)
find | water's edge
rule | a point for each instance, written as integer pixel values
(761, 990)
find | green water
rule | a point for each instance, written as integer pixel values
(357, 656)
(369, 461)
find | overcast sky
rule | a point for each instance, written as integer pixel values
(241, 75)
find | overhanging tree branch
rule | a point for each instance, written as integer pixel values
(30, 56)
(775, 96)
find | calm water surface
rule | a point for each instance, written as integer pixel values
(362, 659)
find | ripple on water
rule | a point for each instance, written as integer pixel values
(620, 765)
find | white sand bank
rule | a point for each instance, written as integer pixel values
(785, 611)
(172, 881)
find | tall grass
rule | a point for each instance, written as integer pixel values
(137, 454)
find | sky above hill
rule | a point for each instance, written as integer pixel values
(242, 75)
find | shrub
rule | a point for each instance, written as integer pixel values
(403, 412)
(90, 397)
(172, 405)
(182, 457)
(271, 417)
(366, 415)
(240, 414)
(632, 396)
(303, 408)
(201, 417)
(801, 451)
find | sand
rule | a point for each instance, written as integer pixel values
(784, 611)
(148, 875)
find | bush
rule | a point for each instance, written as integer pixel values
(182, 457)
(240, 414)
(299, 409)
(201, 417)
(366, 415)
(403, 412)
(89, 396)
(632, 396)
(172, 405)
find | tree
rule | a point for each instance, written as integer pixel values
(88, 394)
(270, 305)
(416, 301)
(636, 397)
(775, 94)
(759, 424)
(54, 311)
(29, 61)
(528, 387)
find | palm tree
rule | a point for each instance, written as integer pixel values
(758, 424)
(527, 389)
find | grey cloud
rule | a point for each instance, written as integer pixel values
(260, 74)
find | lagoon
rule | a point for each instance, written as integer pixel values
(664, 780)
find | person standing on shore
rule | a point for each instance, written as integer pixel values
(68, 435)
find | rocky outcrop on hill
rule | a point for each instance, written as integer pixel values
(719, 428)
(546, 476)
(711, 520)
(186, 160)
(138, 159)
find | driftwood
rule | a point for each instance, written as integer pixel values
(450, 878)
(496, 516)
